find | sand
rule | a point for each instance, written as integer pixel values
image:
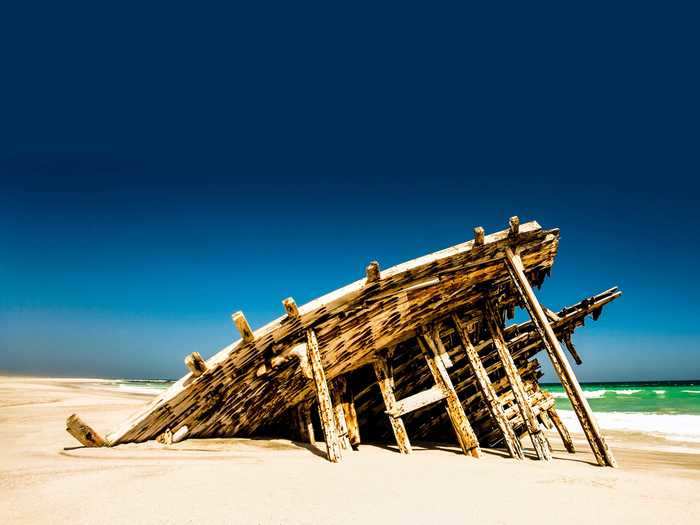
(46, 477)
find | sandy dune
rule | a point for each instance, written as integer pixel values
(46, 477)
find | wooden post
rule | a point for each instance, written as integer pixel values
(563, 431)
(83, 433)
(385, 380)
(196, 364)
(488, 394)
(325, 405)
(478, 236)
(539, 440)
(340, 422)
(290, 306)
(514, 224)
(304, 424)
(465, 434)
(243, 327)
(372, 272)
(347, 403)
(561, 365)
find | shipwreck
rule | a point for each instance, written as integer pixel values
(422, 350)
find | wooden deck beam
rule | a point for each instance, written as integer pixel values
(561, 365)
(488, 394)
(539, 440)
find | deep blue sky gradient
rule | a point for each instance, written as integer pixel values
(162, 169)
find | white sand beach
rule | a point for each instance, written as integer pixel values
(47, 477)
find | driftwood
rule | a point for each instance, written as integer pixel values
(83, 433)
(426, 341)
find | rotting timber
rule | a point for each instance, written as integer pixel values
(422, 348)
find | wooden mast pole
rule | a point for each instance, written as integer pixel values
(325, 405)
(539, 441)
(561, 365)
(488, 394)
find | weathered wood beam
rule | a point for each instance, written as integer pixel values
(243, 327)
(488, 393)
(81, 431)
(545, 420)
(563, 431)
(417, 401)
(340, 422)
(196, 364)
(561, 365)
(385, 380)
(372, 272)
(465, 434)
(325, 405)
(478, 236)
(539, 440)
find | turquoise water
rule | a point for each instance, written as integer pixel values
(667, 409)
(650, 397)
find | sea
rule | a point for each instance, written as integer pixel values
(666, 409)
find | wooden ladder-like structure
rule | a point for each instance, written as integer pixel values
(436, 357)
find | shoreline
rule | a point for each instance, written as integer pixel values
(45, 475)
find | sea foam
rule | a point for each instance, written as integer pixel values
(675, 427)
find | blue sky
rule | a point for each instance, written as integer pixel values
(160, 171)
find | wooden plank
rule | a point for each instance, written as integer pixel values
(81, 431)
(385, 380)
(561, 365)
(563, 431)
(196, 364)
(539, 440)
(417, 401)
(465, 434)
(325, 405)
(488, 394)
